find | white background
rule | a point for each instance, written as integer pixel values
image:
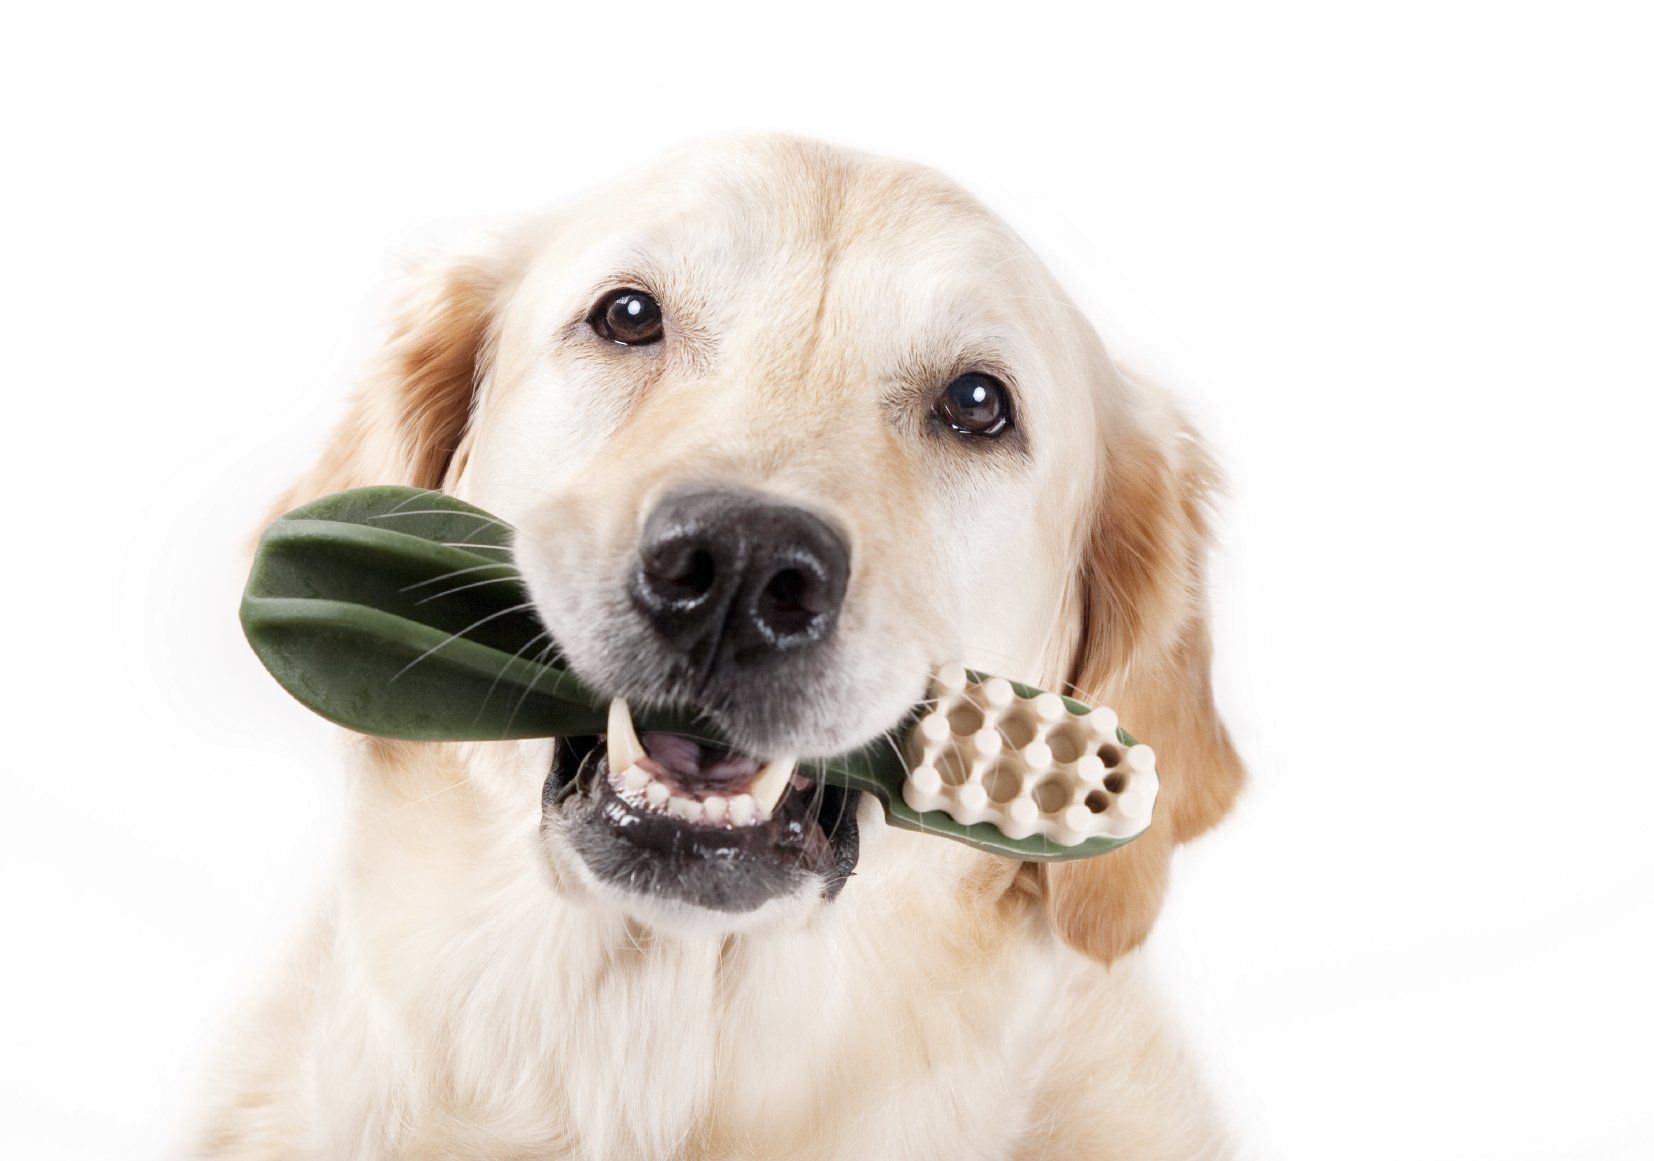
(1397, 258)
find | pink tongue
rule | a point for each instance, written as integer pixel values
(690, 762)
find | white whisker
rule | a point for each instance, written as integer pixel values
(477, 516)
(448, 576)
(524, 648)
(493, 580)
(451, 638)
(378, 818)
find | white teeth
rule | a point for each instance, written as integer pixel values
(628, 774)
(624, 748)
(638, 784)
(771, 784)
(685, 808)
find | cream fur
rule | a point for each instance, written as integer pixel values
(463, 992)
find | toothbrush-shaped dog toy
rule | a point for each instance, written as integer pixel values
(398, 612)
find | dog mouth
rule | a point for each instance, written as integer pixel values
(680, 818)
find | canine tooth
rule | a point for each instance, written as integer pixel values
(684, 808)
(742, 809)
(624, 748)
(771, 783)
(635, 779)
(716, 807)
(657, 794)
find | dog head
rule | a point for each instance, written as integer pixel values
(781, 428)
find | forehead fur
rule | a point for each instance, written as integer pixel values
(805, 259)
(789, 214)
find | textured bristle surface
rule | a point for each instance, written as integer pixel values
(1027, 765)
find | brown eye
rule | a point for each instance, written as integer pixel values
(975, 404)
(629, 317)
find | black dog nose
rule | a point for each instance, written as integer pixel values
(730, 578)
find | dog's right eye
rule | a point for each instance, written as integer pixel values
(631, 318)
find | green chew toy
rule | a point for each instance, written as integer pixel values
(398, 612)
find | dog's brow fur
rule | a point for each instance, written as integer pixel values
(465, 993)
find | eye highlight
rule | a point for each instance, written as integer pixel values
(975, 405)
(631, 318)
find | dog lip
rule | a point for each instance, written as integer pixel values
(808, 837)
(790, 827)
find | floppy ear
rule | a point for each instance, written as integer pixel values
(408, 418)
(1145, 650)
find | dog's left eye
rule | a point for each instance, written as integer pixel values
(631, 318)
(975, 404)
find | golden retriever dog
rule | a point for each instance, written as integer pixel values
(781, 428)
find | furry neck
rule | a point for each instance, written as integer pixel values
(494, 997)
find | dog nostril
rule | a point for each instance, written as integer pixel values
(787, 591)
(792, 600)
(681, 571)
